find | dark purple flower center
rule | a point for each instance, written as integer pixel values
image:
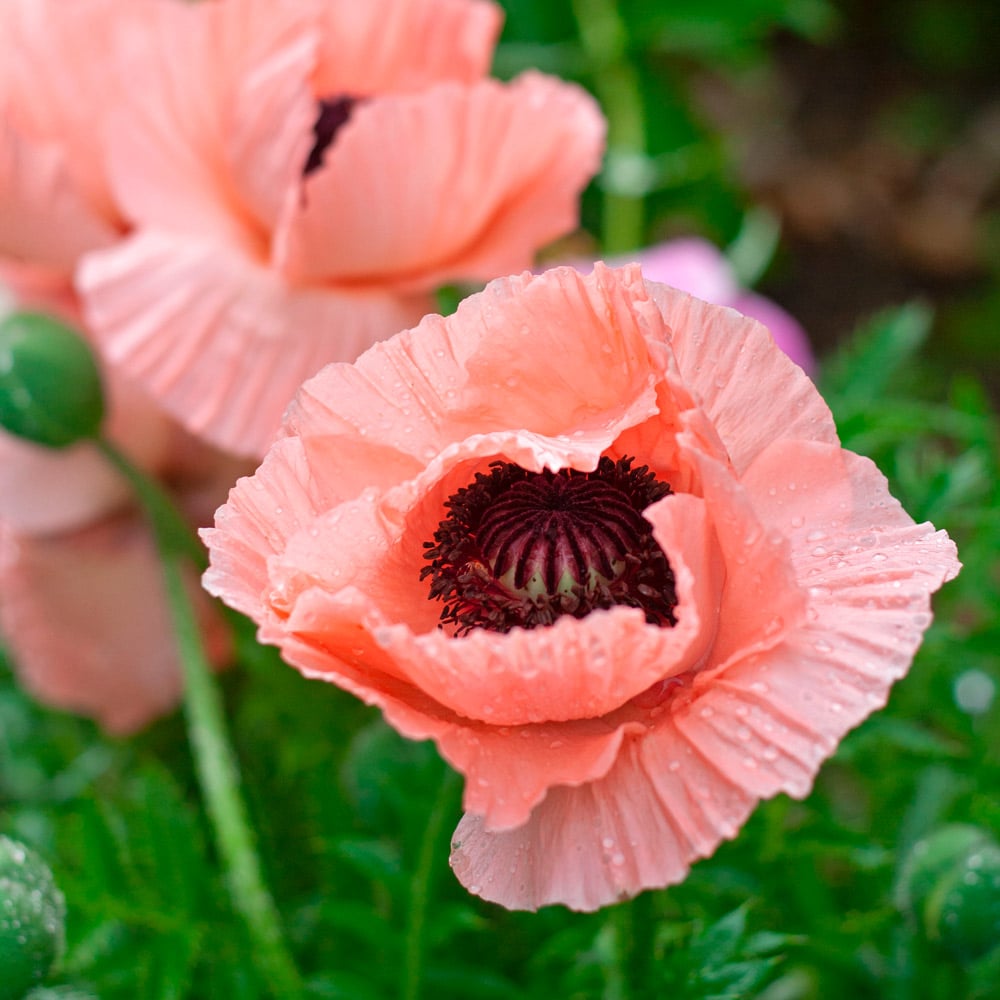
(334, 112)
(521, 548)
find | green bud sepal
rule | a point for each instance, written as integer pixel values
(50, 385)
(32, 919)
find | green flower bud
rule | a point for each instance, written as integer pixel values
(50, 388)
(950, 887)
(32, 914)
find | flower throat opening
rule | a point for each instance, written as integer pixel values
(521, 548)
(332, 115)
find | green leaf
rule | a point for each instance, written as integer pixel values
(860, 372)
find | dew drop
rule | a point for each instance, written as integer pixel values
(974, 692)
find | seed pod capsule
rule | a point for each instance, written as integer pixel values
(32, 918)
(950, 887)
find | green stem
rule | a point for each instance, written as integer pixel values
(215, 761)
(172, 533)
(420, 887)
(617, 983)
(604, 38)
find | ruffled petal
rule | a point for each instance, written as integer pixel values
(575, 358)
(45, 219)
(112, 656)
(659, 808)
(752, 393)
(43, 491)
(699, 268)
(404, 45)
(508, 769)
(786, 330)
(762, 599)
(221, 342)
(245, 536)
(61, 85)
(213, 124)
(472, 181)
(768, 720)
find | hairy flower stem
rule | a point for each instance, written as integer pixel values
(420, 889)
(215, 760)
(604, 38)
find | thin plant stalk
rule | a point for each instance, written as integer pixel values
(420, 890)
(604, 38)
(215, 760)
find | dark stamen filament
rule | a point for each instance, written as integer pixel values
(520, 548)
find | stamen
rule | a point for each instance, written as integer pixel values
(521, 548)
(334, 113)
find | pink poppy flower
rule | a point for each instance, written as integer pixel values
(698, 267)
(599, 541)
(55, 89)
(82, 610)
(301, 178)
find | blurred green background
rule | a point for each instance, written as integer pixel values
(848, 155)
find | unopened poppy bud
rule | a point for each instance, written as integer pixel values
(950, 886)
(32, 915)
(50, 388)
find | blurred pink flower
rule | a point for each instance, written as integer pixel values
(55, 90)
(658, 588)
(82, 610)
(300, 178)
(699, 268)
